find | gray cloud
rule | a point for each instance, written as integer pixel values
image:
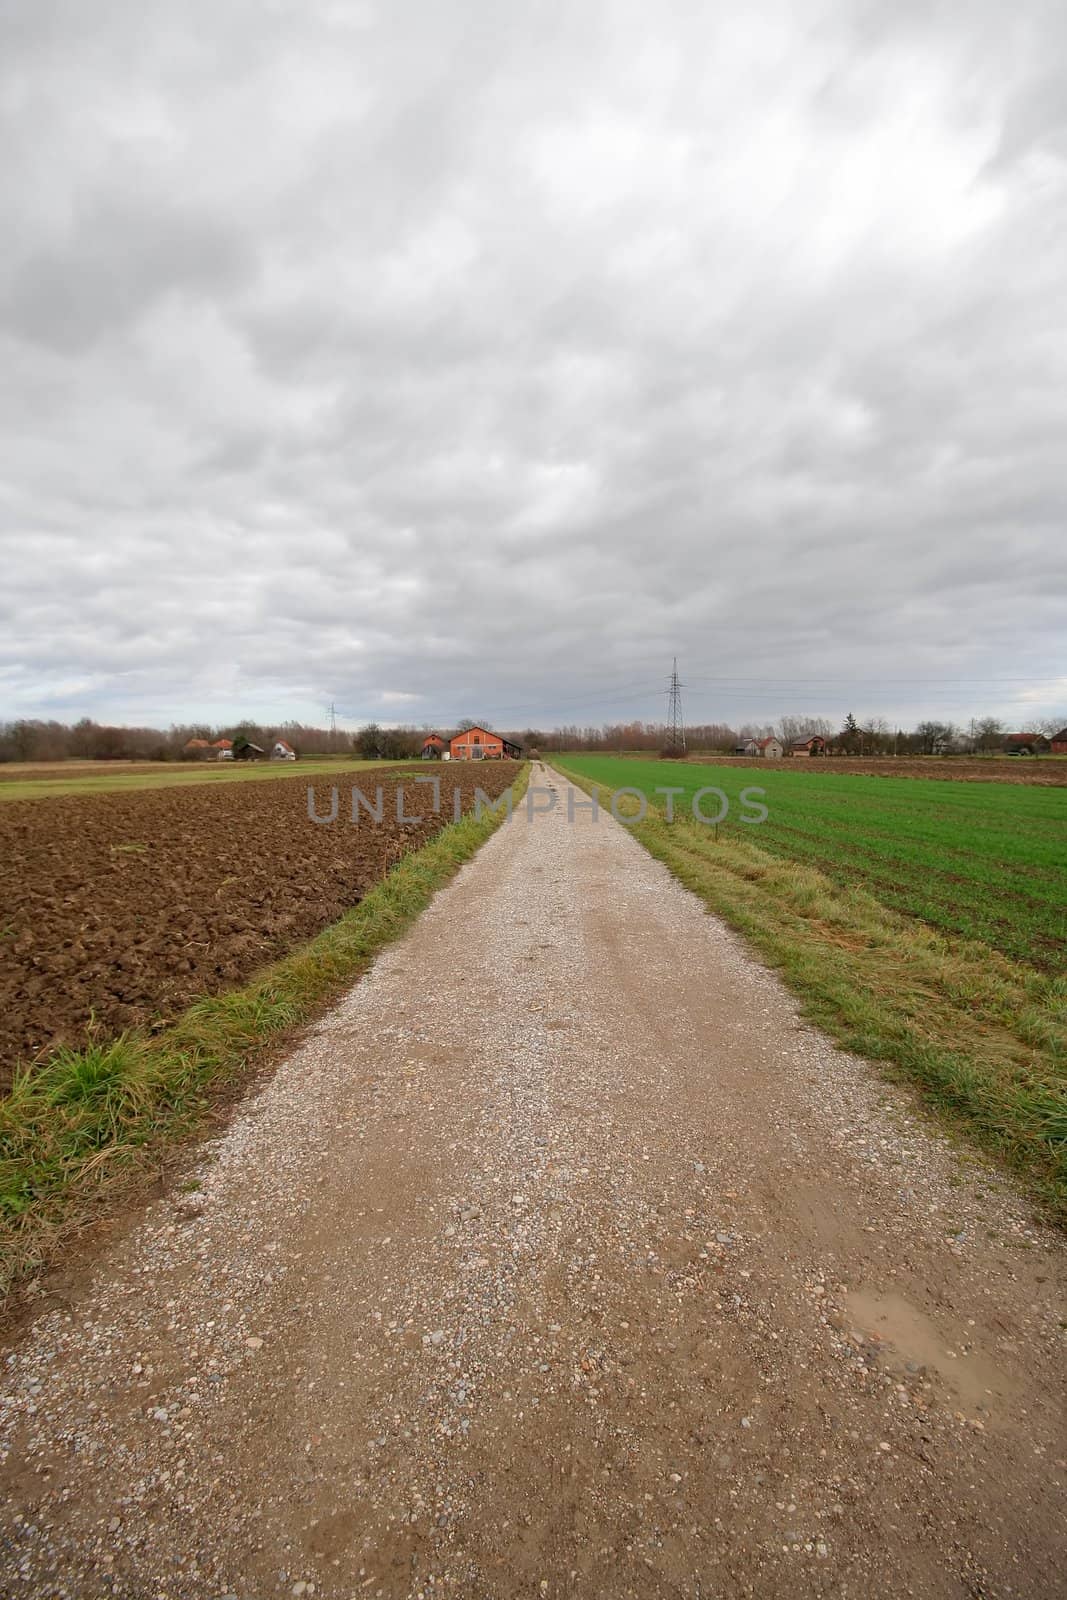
(440, 359)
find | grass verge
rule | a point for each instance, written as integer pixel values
(78, 1132)
(983, 1038)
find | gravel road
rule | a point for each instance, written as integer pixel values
(560, 1259)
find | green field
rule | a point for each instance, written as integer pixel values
(985, 861)
(166, 775)
(921, 923)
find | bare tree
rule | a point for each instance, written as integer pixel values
(790, 729)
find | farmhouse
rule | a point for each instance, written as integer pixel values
(1059, 743)
(769, 747)
(433, 747)
(198, 750)
(813, 746)
(282, 750)
(479, 744)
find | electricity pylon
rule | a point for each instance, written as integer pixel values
(675, 725)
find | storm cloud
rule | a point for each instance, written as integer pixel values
(450, 359)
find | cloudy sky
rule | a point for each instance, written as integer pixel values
(470, 358)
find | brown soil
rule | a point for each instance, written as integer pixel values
(117, 910)
(964, 769)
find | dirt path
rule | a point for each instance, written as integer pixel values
(561, 1259)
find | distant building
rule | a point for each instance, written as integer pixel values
(433, 747)
(480, 744)
(198, 750)
(1027, 744)
(1059, 743)
(759, 747)
(245, 750)
(813, 746)
(282, 750)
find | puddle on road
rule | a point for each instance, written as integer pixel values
(941, 1347)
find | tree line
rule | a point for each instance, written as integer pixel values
(849, 736)
(29, 740)
(86, 740)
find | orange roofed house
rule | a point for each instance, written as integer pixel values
(479, 744)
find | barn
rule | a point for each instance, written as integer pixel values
(481, 744)
(1059, 743)
(813, 746)
(433, 747)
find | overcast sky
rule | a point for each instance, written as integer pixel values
(449, 359)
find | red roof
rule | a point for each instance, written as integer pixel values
(199, 744)
(763, 743)
(282, 744)
(222, 744)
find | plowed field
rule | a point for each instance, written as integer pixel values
(118, 910)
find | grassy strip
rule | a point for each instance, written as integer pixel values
(82, 1128)
(983, 1038)
(166, 775)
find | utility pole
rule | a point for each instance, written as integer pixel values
(675, 725)
(333, 726)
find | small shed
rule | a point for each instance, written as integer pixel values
(245, 750)
(1026, 744)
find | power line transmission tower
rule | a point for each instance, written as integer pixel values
(675, 725)
(333, 725)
